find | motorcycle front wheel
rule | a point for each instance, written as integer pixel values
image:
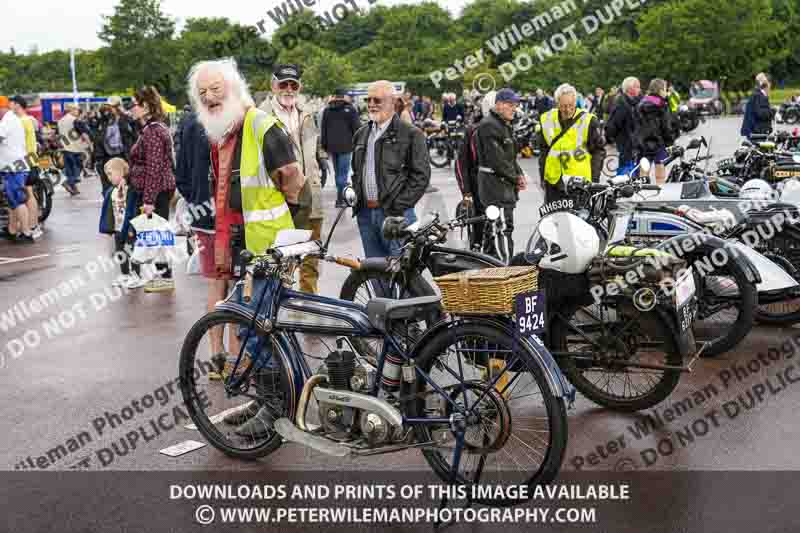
(597, 345)
(518, 435)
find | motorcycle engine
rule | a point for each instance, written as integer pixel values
(353, 424)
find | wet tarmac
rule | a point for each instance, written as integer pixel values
(83, 363)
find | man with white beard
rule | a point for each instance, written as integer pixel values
(255, 185)
(303, 132)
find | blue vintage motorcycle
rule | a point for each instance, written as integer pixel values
(483, 405)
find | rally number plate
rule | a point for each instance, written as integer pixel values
(530, 312)
(565, 204)
(684, 300)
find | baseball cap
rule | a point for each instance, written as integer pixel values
(286, 73)
(3, 101)
(114, 101)
(20, 101)
(339, 92)
(507, 95)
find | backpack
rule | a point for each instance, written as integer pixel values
(112, 140)
(467, 164)
(647, 130)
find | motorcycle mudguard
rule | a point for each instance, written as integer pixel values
(558, 384)
(448, 261)
(686, 244)
(774, 278)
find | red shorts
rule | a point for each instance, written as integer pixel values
(205, 242)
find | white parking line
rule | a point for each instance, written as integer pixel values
(10, 260)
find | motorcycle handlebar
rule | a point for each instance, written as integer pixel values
(473, 220)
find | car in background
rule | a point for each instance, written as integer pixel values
(705, 98)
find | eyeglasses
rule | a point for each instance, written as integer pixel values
(374, 100)
(289, 84)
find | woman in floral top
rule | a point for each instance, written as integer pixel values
(151, 164)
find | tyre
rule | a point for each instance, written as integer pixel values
(206, 399)
(595, 344)
(45, 199)
(791, 116)
(439, 152)
(526, 437)
(361, 286)
(726, 302)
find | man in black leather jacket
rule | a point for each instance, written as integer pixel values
(391, 170)
(500, 177)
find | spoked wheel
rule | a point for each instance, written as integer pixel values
(235, 413)
(44, 198)
(516, 431)
(597, 345)
(726, 301)
(362, 286)
(438, 150)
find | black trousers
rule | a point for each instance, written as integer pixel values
(123, 244)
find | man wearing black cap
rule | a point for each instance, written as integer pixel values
(339, 124)
(500, 177)
(301, 126)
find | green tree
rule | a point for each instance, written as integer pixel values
(685, 40)
(140, 45)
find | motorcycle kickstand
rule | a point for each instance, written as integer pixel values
(439, 525)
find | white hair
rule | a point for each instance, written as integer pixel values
(230, 73)
(627, 83)
(487, 104)
(565, 89)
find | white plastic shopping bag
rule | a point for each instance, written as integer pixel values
(193, 264)
(182, 217)
(155, 240)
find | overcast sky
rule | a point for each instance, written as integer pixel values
(61, 24)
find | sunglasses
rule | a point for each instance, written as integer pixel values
(373, 100)
(293, 85)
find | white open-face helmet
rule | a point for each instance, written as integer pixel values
(757, 190)
(563, 242)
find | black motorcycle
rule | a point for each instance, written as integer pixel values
(444, 144)
(788, 113)
(689, 118)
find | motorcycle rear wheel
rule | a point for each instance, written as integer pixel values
(439, 153)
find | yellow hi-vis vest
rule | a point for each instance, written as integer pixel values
(264, 208)
(569, 155)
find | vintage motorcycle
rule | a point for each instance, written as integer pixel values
(445, 144)
(620, 357)
(467, 393)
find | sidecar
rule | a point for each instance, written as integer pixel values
(662, 216)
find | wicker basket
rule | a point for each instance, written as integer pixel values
(489, 291)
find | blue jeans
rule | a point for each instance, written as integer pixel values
(370, 225)
(72, 167)
(341, 165)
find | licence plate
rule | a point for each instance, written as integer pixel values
(724, 162)
(684, 299)
(530, 311)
